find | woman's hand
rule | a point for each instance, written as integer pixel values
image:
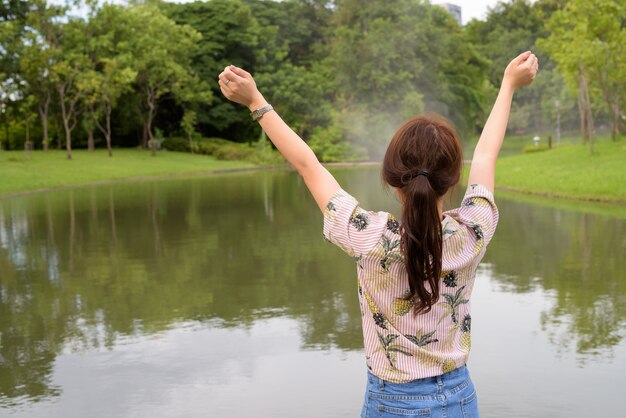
(238, 86)
(521, 71)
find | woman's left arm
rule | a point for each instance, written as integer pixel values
(239, 86)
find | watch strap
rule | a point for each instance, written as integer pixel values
(257, 114)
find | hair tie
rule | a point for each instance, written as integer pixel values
(404, 180)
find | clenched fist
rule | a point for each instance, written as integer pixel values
(238, 86)
(521, 71)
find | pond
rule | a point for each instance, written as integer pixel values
(217, 297)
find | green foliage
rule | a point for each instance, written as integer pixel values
(511, 28)
(329, 144)
(208, 146)
(302, 95)
(395, 59)
(229, 34)
(234, 152)
(260, 152)
(588, 40)
(345, 76)
(176, 144)
(12, 137)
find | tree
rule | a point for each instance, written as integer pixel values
(12, 22)
(67, 74)
(115, 80)
(162, 59)
(394, 59)
(28, 115)
(112, 74)
(511, 28)
(302, 95)
(587, 42)
(41, 52)
(188, 124)
(230, 34)
(13, 10)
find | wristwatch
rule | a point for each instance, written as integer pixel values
(257, 114)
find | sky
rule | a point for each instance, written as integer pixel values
(470, 9)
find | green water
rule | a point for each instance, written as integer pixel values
(218, 297)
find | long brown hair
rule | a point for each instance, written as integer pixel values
(423, 160)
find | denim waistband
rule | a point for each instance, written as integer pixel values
(446, 376)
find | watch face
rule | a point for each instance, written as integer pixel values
(256, 114)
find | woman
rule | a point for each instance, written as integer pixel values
(415, 275)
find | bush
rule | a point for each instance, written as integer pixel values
(266, 154)
(531, 148)
(233, 152)
(259, 153)
(329, 146)
(176, 144)
(208, 146)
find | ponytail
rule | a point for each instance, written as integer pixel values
(423, 161)
(421, 242)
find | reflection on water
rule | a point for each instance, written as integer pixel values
(172, 286)
(578, 258)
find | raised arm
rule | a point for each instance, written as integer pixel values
(520, 72)
(239, 86)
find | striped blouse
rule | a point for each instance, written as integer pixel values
(400, 347)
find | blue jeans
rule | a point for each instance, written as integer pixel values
(450, 395)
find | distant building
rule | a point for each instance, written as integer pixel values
(454, 10)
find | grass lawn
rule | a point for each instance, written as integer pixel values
(515, 144)
(22, 172)
(569, 171)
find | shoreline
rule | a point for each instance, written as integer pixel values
(284, 166)
(562, 196)
(288, 167)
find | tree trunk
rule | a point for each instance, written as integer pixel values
(43, 114)
(66, 125)
(57, 130)
(108, 130)
(27, 144)
(584, 106)
(68, 140)
(615, 116)
(151, 111)
(151, 141)
(144, 136)
(90, 141)
(584, 130)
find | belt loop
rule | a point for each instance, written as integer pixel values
(381, 384)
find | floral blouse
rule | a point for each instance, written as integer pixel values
(400, 347)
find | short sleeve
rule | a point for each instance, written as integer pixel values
(351, 228)
(479, 212)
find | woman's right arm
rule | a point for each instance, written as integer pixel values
(520, 72)
(238, 86)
